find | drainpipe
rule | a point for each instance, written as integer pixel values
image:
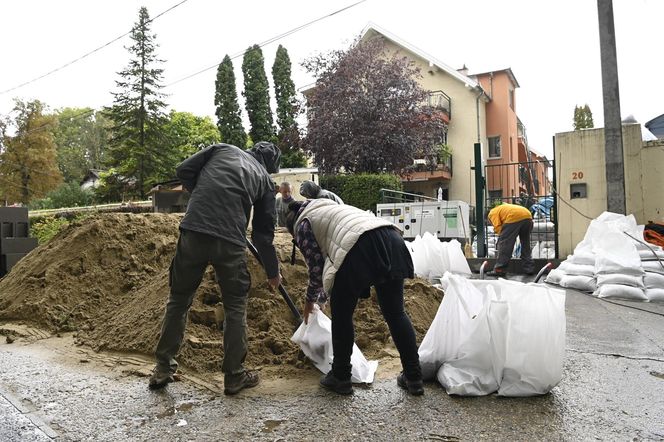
(477, 110)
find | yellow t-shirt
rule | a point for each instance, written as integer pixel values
(506, 214)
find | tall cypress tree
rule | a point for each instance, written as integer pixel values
(257, 96)
(229, 120)
(288, 136)
(137, 113)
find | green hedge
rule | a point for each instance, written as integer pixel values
(361, 190)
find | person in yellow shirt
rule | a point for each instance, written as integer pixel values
(509, 222)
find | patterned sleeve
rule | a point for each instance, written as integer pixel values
(304, 237)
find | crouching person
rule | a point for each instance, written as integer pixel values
(347, 251)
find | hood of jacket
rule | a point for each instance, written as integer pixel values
(268, 155)
(309, 189)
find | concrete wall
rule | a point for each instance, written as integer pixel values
(462, 129)
(580, 159)
(652, 166)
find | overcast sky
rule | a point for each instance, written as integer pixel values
(552, 48)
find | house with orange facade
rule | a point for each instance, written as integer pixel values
(475, 108)
(514, 170)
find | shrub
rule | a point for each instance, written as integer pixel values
(361, 190)
(66, 195)
(46, 228)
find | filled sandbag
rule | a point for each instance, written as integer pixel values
(619, 278)
(621, 292)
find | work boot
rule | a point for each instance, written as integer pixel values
(330, 382)
(416, 388)
(497, 273)
(234, 383)
(160, 379)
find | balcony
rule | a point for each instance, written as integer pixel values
(440, 101)
(423, 170)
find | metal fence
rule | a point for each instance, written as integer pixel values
(530, 184)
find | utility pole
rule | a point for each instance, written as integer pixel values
(613, 146)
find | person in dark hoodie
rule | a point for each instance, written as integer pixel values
(313, 191)
(225, 182)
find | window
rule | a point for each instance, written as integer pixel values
(494, 147)
(511, 98)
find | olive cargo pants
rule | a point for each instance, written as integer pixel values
(193, 254)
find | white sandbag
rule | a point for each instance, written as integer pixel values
(451, 325)
(619, 278)
(438, 262)
(621, 292)
(419, 256)
(539, 226)
(457, 262)
(577, 269)
(653, 266)
(653, 280)
(315, 340)
(616, 253)
(655, 295)
(579, 282)
(535, 348)
(583, 258)
(555, 276)
(478, 368)
(650, 255)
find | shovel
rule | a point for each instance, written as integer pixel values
(282, 289)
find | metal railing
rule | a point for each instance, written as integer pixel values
(439, 100)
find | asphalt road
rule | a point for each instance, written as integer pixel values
(612, 389)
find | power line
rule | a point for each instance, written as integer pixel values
(89, 53)
(270, 40)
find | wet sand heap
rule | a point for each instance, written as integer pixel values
(106, 277)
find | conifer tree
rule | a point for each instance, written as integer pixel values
(136, 149)
(583, 118)
(229, 120)
(257, 96)
(287, 107)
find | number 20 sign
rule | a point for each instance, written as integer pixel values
(577, 175)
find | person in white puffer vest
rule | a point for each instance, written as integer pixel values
(348, 250)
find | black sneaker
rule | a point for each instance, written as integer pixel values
(331, 383)
(416, 388)
(160, 379)
(234, 383)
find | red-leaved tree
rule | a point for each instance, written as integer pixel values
(367, 111)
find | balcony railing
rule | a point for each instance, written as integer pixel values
(439, 100)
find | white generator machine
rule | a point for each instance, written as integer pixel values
(443, 219)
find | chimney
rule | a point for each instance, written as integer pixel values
(463, 70)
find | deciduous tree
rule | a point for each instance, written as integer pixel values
(367, 112)
(28, 166)
(81, 137)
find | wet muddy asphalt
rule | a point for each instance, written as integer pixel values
(612, 389)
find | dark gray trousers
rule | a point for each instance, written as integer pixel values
(506, 242)
(193, 254)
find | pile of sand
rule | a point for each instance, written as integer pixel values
(107, 278)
